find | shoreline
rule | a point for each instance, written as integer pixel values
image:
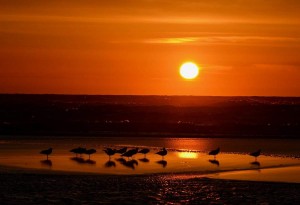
(182, 175)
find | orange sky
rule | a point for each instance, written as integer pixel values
(244, 47)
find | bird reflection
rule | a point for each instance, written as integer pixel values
(162, 162)
(144, 160)
(121, 160)
(89, 161)
(214, 161)
(80, 160)
(255, 163)
(109, 164)
(130, 163)
(47, 163)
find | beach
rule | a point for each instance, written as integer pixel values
(25, 186)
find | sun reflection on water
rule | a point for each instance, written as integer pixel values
(188, 155)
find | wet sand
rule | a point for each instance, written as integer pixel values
(29, 186)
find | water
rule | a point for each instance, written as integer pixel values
(185, 155)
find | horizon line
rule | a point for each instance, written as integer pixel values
(149, 95)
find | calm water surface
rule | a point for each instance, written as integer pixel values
(185, 155)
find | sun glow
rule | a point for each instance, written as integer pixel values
(189, 70)
(188, 155)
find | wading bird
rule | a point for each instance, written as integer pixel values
(162, 152)
(122, 150)
(46, 152)
(78, 150)
(144, 151)
(89, 152)
(110, 152)
(215, 152)
(255, 154)
(130, 153)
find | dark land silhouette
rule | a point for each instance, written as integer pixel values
(188, 116)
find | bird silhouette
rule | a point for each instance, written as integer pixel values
(122, 150)
(130, 153)
(144, 151)
(89, 152)
(215, 152)
(46, 152)
(162, 152)
(81, 151)
(78, 151)
(74, 151)
(255, 154)
(110, 152)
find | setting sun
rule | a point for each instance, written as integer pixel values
(189, 70)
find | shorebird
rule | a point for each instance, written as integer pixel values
(78, 150)
(89, 152)
(75, 151)
(109, 152)
(122, 150)
(255, 154)
(81, 151)
(162, 152)
(130, 153)
(46, 152)
(215, 152)
(144, 151)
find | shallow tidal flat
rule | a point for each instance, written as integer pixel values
(182, 157)
(186, 175)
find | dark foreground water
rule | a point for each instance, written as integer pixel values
(154, 189)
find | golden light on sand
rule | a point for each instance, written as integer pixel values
(189, 70)
(188, 155)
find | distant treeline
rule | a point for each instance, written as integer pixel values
(150, 115)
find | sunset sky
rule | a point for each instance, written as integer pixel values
(243, 47)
